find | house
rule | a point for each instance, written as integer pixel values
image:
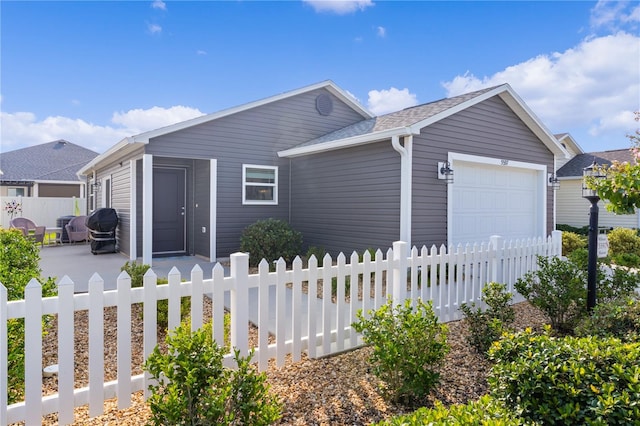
(346, 179)
(46, 170)
(572, 209)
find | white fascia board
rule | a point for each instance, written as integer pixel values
(91, 165)
(58, 182)
(329, 85)
(507, 94)
(417, 127)
(521, 109)
(567, 138)
(344, 143)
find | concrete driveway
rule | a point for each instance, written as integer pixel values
(77, 261)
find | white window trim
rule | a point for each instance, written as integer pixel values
(106, 190)
(245, 184)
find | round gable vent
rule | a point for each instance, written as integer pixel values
(324, 104)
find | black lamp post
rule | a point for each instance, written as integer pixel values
(591, 195)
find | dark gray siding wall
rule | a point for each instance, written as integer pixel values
(202, 197)
(348, 199)
(251, 137)
(489, 129)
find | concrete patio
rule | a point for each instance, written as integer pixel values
(77, 261)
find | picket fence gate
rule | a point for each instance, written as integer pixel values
(319, 327)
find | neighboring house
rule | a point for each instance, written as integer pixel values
(344, 178)
(46, 170)
(572, 209)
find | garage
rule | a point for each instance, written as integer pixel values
(495, 197)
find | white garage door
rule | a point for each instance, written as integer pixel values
(494, 200)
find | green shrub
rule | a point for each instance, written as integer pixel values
(408, 344)
(270, 239)
(318, 252)
(620, 283)
(486, 326)
(579, 257)
(194, 388)
(619, 318)
(572, 241)
(631, 260)
(486, 411)
(558, 288)
(561, 381)
(136, 271)
(583, 230)
(19, 263)
(623, 240)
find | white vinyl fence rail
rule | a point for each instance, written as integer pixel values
(299, 321)
(43, 210)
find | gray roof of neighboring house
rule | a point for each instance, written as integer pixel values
(575, 166)
(53, 161)
(394, 120)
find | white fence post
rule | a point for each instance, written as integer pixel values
(3, 355)
(239, 296)
(66, 347)
(496, 245)
(33, 352)
(556, 238)
(399, 272)
(96, 345)
(124, 340)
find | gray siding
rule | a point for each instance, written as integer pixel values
(202, 197)
(121, 181)
(251, 137)
(489, 129)
(348, 199)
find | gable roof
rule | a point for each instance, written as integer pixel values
(576, 165)
(569, 143)
(131, 142)
(411, 120)
(53, 161)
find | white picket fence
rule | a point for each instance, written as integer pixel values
(300, 321)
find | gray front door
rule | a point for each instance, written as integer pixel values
(169, 210)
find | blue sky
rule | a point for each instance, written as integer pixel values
(94, 72)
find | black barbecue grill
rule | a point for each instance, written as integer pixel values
(102, 224)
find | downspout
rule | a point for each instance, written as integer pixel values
(405, 151)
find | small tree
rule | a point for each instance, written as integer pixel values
(193, 387)
(621, 187)
(408, 344)
(486, 326)
(19, 257)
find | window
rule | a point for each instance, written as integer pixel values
(91, 191)
(259, 184)
(106, 192)
(15, 192)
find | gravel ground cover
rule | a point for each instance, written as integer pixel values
(337, 390)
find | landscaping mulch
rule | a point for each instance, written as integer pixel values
(338, 390)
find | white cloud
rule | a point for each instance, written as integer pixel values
(592, 86)
(340, 7)
(22, 129)
(154, 28)
(159, 4)
(381, 31)
(141, 120)
(385, 101)
(201, 52)
(614, 14)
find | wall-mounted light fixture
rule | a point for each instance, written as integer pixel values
(554, 183)
(95, 186)
(445, 172)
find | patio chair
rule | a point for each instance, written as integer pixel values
(29, 229)
(77, 229)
